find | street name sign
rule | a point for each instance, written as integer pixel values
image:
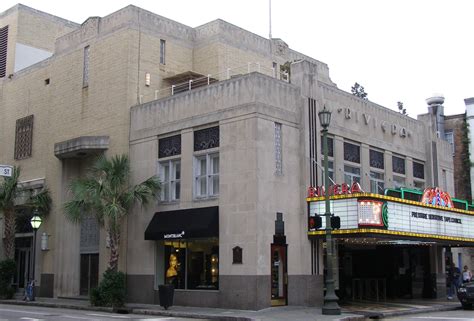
(6, 170)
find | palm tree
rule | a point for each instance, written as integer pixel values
(105, 193)
(9, 191)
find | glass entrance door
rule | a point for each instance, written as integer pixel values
(23, 265)
(278, 275)
(89, 273)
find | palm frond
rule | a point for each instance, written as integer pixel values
(41, 201)
(76, 210)
(143, 192)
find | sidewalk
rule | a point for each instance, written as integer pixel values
(350, 311)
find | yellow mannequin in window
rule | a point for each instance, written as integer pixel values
(172, 271)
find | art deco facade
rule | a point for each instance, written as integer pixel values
(227, 119)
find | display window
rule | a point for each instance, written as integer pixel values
(192, 264)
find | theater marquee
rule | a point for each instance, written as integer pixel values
(377, 214)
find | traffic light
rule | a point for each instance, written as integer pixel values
(315, 222)
(335, 222)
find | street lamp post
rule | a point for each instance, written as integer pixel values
(35, 224)
(330, 306)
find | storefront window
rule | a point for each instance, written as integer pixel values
(192, 264)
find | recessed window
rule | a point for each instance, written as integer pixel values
(24, 137)
(46, 82)
(398, 165)
(170, 177)
(351, 174)
(418, 170)
(352, 152)
(377, 184)
(162, 51)
(376, 159)
(399, 181)
(206, 175)
(85, 73)
(449, 136)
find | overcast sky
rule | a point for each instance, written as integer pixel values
(399, 50)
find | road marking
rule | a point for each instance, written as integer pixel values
(108, 316)
(443, 318)
(22, 311)
(78, 317)
(31, 319)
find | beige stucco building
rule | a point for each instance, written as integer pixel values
(228, 119)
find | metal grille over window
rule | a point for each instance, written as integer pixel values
(376, 159)
(89, 242)
(278, 150)
(398, 165)
(330, 146)
(418, 170)
(206, 138)
(24, 137)
(169, 146)
(85, 79)
(3, 50)
(352, 153)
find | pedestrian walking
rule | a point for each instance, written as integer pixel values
(466, 275)
(453, 280)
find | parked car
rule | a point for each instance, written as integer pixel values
(466, 295)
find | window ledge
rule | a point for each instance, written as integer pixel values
(169, 202)
(205, 198)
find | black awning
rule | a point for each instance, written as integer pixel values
(185, 224)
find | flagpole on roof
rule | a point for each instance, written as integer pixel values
(270, 17)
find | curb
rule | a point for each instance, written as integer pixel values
(379, 315)
(191, 315)
(57, 305)
(128, 310)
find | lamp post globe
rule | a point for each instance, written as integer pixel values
(36, 220)
(330, 306)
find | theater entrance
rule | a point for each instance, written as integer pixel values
(370, 269)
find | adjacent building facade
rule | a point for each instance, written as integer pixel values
(229, 121)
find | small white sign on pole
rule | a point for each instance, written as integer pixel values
(6, 170)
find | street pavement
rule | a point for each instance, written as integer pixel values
(458, 315)
(36, 313)
(350, 311)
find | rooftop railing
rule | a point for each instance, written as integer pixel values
(213, 78)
